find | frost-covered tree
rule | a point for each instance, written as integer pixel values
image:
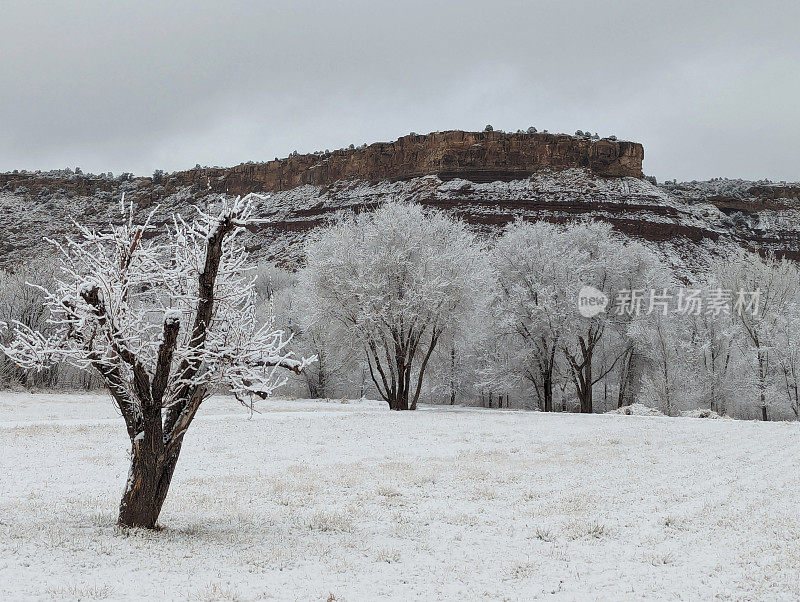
(610, 264)
(338, 362)
(396, 280)
(664, 341)
(641, 270)
(712, 352)
(538, 279)
(540, 270)
(277, 293)
(457, 367)
(760, 319)
(788, 347)
(22, 301)
(165, 320)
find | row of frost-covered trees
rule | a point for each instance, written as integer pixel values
(411, 306)
(402, 304)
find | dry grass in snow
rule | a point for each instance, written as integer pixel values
(315, 501)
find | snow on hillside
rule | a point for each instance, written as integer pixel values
(567, 194)
(676, 220)
(698, 191)
(570, 194)
(331, 501)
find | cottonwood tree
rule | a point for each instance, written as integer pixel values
(712, 350)
(663, 338)
(277, 292)
(641, 271)
(396, 279)
(336, 362)
(21, 302)
(328, 342)
(457, 366)
(777, 283)
(165, 320)
(788, 346)
(533, 306)
(610, 264)
(540, 269)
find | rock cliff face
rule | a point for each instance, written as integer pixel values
(488, 179)
(476, 156)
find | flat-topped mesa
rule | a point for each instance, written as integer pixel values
(476, 156)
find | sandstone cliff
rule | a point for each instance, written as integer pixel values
(476, 156)
(486, 178)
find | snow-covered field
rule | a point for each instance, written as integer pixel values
(332, 501)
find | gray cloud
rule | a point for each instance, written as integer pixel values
(709, 88)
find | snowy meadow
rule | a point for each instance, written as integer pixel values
(311, 500)
(501, 474)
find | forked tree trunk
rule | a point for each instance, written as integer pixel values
(400, 401)
(395, 387)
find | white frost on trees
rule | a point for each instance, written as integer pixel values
(540, 270)
(533, 306)
(165, 321)
(396, 279)
(758, 333)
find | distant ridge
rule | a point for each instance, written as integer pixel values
(474, 156)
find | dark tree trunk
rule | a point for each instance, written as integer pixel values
(401, 401)
(630, 377)
(762, 383)
(547, 390)
(156, 430)
(582, 379)
(583, 376)
(146, 489)
(585, 394)
(452, 375)
(317, 384)
(394, 384)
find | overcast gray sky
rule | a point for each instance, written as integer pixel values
(710, 88)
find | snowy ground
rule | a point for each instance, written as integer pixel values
(316, 501)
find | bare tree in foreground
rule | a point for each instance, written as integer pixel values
(164, 324)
